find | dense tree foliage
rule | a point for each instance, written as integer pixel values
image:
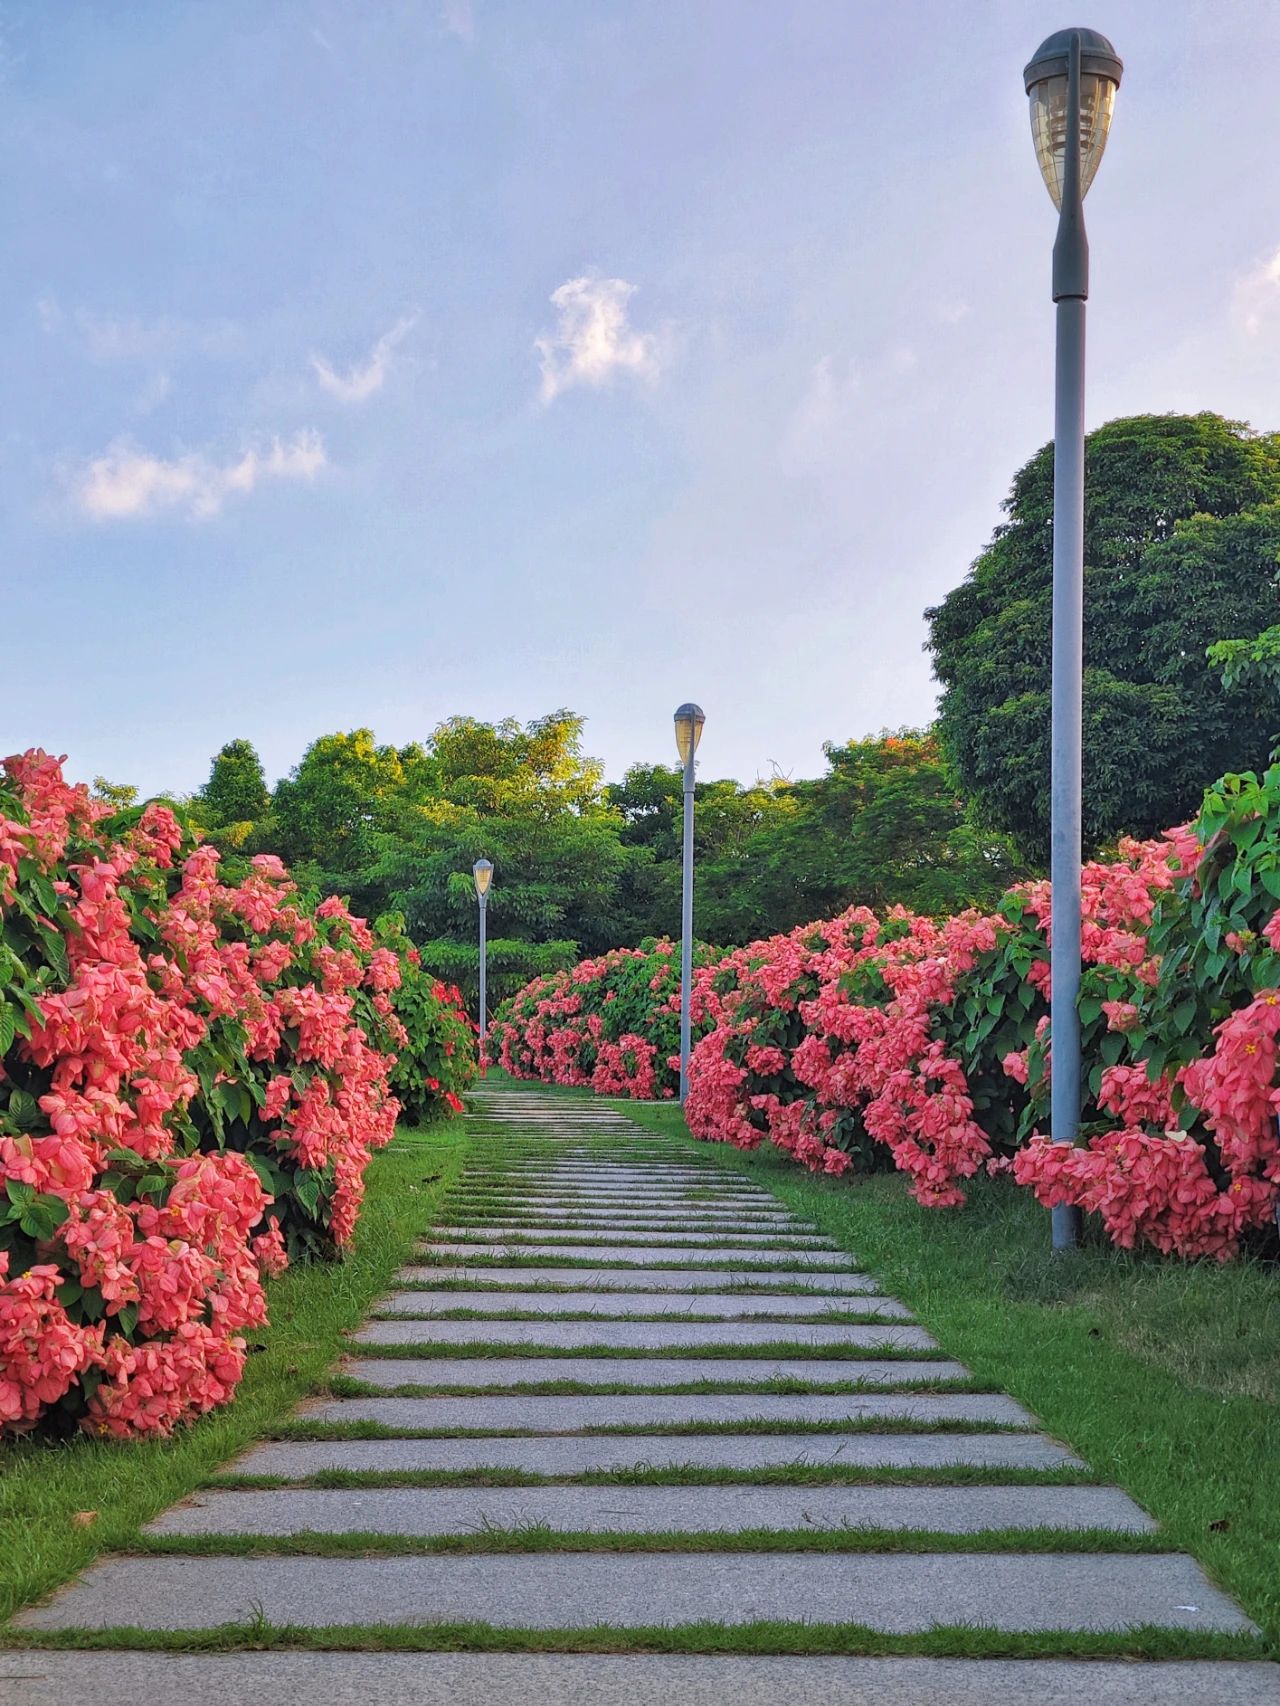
(1182, 537)
(582, 866)
(236, 792)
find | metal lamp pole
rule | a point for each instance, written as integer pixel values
(482, 871)
(689, 721)
(1072, 82)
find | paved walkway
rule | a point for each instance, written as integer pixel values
(612, 1340)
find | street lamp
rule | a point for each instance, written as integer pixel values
(482, 871)
(1072, 82)
(689, 721)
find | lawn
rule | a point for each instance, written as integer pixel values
(62, 1504)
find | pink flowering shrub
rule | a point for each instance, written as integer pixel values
(194, 1072)
(611, 1023)
(924, 1044)
(436, 1059)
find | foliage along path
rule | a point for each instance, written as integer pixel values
(631, 1426)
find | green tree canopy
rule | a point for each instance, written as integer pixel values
(1182, 536)
(236, 791)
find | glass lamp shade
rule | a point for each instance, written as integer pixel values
(689, 721)
(1046, 79)
(1049, 129)
(482, 871)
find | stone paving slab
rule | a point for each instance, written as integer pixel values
(626, 1254)
(645, 1335)
(650, 1510)
(623, 1254)
(566, 1413)
(706, 1244)
(540, 1191)
(694, 1280)
(585, 1454)
(681, 1213)
(892, 1592)
(553, 1303)
(644, 1372)
(531, 1191)
(619, 1173)
(564, 1679)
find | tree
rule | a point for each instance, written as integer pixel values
(884, 827)
(1181, 543)
(236, 791)
(118, 795)
(528, 798)
(330, 817)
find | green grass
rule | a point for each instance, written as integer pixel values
(47, 1490)
(800, 1473)
(303, 1429)
(259, 1634)
(481, 1349)
(344, 1386)
(492, 1538)
(1164, 1376)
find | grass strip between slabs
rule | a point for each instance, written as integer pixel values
(258, 1634)
(301, 1430)
(540, 1537)
(798, 1474)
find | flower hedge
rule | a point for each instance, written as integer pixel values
(195, 1066)
(611, 1023)
(923, 1044)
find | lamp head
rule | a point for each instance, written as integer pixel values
(1046, 79)
(482, 871)
(689, 721)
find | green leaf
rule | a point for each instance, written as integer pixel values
(43, 1216)
(306, 1188)
(24, 1110)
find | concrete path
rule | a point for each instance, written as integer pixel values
(620, 1385)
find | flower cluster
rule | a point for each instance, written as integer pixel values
(194, 1073)
(865, 1041)
(611, 1023)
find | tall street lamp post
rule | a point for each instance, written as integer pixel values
(1072, 82)
(482, 871)
(689, 721)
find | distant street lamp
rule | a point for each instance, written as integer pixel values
(689, 721)
(1072, 82)
(482, 871)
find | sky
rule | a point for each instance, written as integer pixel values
(367, 364)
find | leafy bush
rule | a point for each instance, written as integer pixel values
(869, 1041)
(194, 1068)
(612, 1022)
(436, 1061)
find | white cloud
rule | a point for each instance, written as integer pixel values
(593, 339)
(1257, 294)
(361, 381)
(126, 483)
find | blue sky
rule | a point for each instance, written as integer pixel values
(366, 363)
